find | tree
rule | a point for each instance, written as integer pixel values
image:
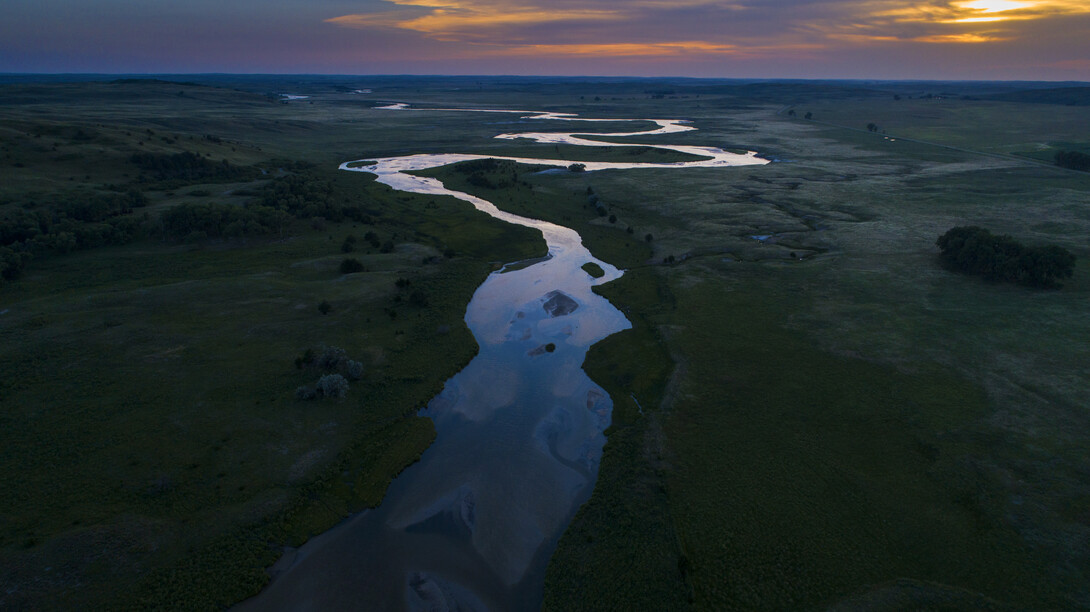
(809, 115)
(791, 113)
(577, 167)
(872, 127)
(325, 307)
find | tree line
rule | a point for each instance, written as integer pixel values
(190, 167)
(70, 222)
(975, 250)
(82, 220)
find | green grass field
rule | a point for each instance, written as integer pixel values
(824, 417)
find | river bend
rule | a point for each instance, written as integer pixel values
(471, 525)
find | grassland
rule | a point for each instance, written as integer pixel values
(820, 418)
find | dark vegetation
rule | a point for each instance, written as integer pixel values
(1073, 160)
(45, 226)
(188, 167)
(335, 370)
(37, 227)
(975, 250)
(593, 269)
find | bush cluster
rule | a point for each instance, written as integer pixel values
(11, 264)
(975, 250)
(336, 370)
(306, 196)
(351, 266)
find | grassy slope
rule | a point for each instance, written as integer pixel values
(150, 429)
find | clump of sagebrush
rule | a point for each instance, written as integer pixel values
(332, 385)
(336, 370)
(975, 250)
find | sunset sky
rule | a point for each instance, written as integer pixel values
(872, 39)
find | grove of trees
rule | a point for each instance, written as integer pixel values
(975, 250)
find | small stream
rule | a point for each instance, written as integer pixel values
(472, 525)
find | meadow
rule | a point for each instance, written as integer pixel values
(823, 417)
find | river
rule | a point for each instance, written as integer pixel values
(472, 525)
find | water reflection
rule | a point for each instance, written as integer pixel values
(471, 525)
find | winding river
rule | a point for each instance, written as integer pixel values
(472, 525)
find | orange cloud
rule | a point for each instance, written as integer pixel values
(958, 38)
(667, 49)
(450, 19)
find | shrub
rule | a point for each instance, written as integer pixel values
(305, 393)
(305, 359)
(351, 266)
(331, 358)
(325, 307)
(332, 385)
(353, 369)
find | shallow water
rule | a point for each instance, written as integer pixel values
(471, 525)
